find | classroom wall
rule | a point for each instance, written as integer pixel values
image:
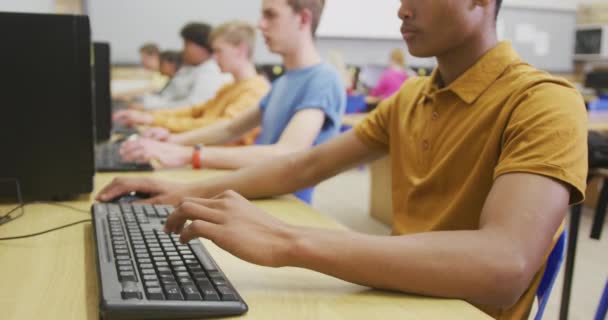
(37, 6)
(126, 24)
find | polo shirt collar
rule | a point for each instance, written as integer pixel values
(471, 84)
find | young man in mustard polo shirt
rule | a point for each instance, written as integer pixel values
(233, 45)
(486, 155)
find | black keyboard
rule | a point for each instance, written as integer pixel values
(123, 131)
(108, 159)
(144, 273)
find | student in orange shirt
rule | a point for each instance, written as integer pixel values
(233, 45)
(487, 153)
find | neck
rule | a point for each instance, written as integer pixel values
(302, 56)
(244, 72)
(396, 66)
(202, 60)
(457, 60)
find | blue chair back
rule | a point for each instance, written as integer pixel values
(554, 262)
(355, 104)
(600, 314)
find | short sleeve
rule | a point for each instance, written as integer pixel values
(327, 94)
(547, 135)
(374, 130)
(265, 100)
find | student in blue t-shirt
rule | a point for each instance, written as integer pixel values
(303, 109)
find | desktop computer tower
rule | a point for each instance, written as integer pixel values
(102, 91)
(46, 119)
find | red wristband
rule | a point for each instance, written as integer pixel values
(196, 157)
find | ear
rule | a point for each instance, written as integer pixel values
(243, 50)
(483, 3)
(305, 18)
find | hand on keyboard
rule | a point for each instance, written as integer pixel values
(235, 225)
(142, 270)
(161, 192)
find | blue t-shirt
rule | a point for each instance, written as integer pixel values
(314, 87)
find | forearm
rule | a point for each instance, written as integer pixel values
(291, 172)
(472, 265)
(271, 178)
(185, 124)
(213, 134)
(241, 157)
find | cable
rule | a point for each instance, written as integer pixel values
(46, 231)
(6, 218)
(22, 206)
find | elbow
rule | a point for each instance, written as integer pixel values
(508, 281)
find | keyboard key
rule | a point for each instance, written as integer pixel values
(130, 290)
(227, 293)
(127, 276)
(173, 293)
(125, 268)
(150, 277)
(210, 295)
(191, 293)
(155, 294)
(207, 263)
(148, 271)
(152, 284)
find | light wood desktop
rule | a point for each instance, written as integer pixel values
(54, 276)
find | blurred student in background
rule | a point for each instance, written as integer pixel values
(392, 78)
(197, 81)
(233, 45)
(303, 109)
(170, 62)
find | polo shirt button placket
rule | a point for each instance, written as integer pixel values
(435, 115)
(425, 145)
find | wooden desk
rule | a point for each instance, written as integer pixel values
(54, 276)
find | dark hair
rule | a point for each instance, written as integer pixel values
(149, 48)
(171, 56)
(498, 4)
(197, 33)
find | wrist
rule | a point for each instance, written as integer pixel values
(196, 157)
(293, 246)
(147, 119)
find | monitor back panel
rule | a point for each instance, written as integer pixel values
(46, 125)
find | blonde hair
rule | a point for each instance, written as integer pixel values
(398, 57)
(315, 7)
(236, 32)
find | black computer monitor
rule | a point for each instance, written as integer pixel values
(102, 91)
(46, 119)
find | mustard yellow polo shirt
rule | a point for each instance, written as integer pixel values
(448, 145)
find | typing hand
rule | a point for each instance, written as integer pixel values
(235, 225)
(132, 118)
(146, 150)
(162, 192)
(157, 133)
